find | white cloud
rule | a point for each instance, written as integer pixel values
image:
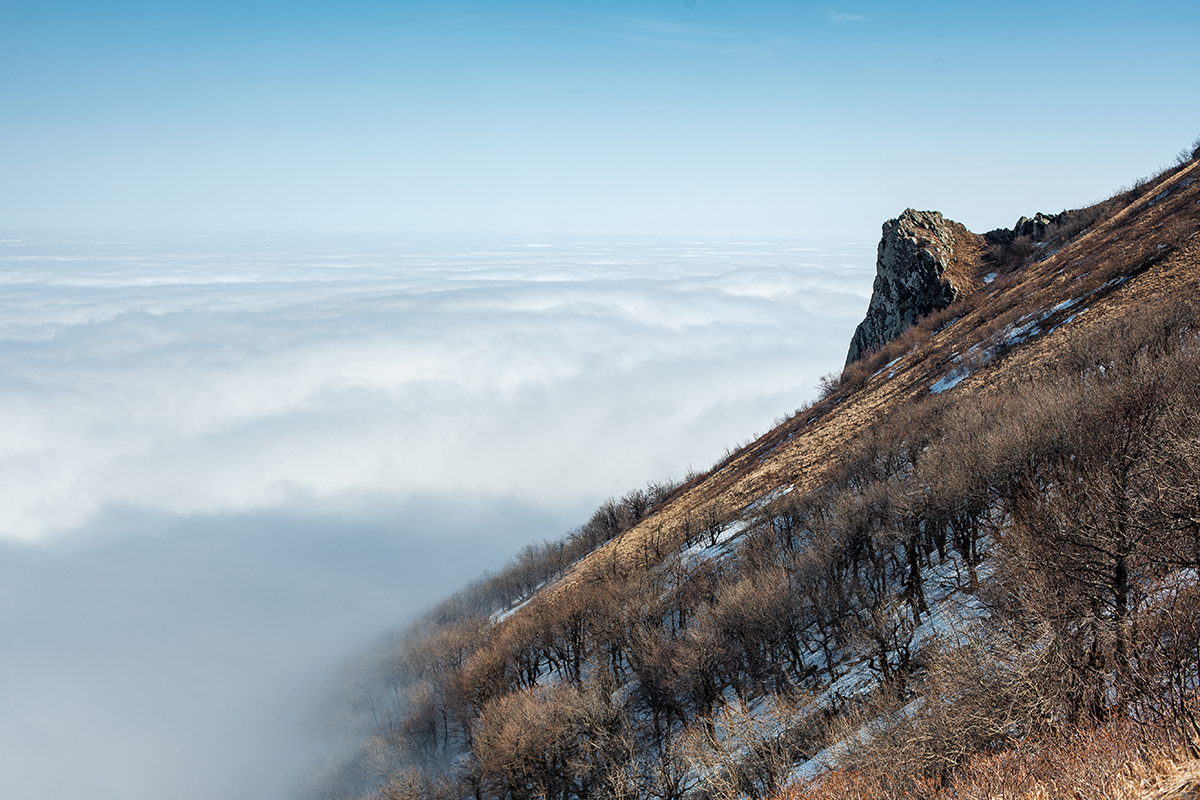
(231, 462)
(675, 36)
(182, 656)
(839, 18)
(215, 376)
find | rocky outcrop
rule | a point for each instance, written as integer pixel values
(911, 279)
(1035, 228)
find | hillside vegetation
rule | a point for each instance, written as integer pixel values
(969, 570)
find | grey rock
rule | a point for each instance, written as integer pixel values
(910, 278)
(1000, 235)
(1037, 227)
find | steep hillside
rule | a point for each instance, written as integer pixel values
(1002, 333)
(925, 263)
(987, 532)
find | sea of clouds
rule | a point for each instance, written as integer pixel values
(229, 463)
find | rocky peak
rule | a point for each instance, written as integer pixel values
(911, 280)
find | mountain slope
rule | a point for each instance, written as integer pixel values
(1134, 258)
(989, 515)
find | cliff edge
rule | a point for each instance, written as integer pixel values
(925, 262)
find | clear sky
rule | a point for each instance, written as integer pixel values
(604, 116)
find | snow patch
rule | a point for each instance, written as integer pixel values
(889, 365)
(1064, 304)
(951, 379)
(714, 547)
(1159, 197)
(769, 497)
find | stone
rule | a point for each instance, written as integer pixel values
(1037, 227)
(915, 251)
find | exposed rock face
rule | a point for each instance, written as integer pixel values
(1036, 228)
(910, 280)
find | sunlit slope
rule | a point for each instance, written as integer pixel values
(967, 540)
(1005, 329)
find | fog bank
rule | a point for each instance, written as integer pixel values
(233, 462)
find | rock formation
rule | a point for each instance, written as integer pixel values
(1036, 228)
(911, 279)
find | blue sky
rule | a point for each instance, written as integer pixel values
(782, 118)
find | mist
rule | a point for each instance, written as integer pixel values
(234, 464)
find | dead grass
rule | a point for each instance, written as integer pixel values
(1137, 238)
(1117, 762)
(1135, 250)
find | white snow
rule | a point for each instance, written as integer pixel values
(1159, 197)
(951, 379)
(706, 548)
(889, 365)
(1065, 304)
(952, 610)
(503, 614)
(769, 497)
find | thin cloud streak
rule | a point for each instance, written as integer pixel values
(676, 36)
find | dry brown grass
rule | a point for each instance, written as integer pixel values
(1143, 241)
(1117, 762)
(1138, 249)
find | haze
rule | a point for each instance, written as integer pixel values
(232, 462)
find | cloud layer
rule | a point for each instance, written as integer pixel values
(238, 374)
(232, 462)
